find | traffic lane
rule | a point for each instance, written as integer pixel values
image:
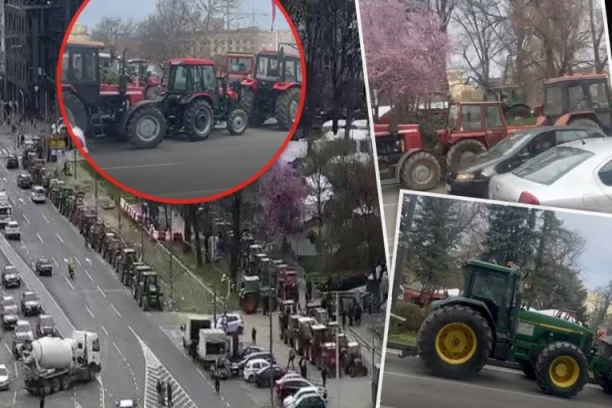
(87, 306)
(407, 379)
(181, 169)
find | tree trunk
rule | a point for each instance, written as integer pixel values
(235, 245)
(401, 260)
(193, 215)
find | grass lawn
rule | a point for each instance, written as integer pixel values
(407, 338)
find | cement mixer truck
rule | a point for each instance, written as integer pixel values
(54, 364)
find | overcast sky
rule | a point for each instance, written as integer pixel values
(137, 10)
(596, 259)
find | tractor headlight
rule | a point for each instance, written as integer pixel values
(465, 177)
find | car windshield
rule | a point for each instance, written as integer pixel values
(30, 296)
(3, 372)
(13, 224)
(552, 165)
(22, 328)
(43, 261)
(10, 269)
(46, 321)
(10, 308)
(510, 144)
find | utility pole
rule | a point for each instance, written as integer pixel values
(142, 232)
(119, 211)
(96, 191)
(215, 306)
(338, 348)
(166, 210)
(270, 320)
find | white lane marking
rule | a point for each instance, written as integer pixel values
(88, 260)
(8, 348)
(40, 238)
(21, 200)
(26, 218)
(77, 261)
(100, 290)
(90, 312)
(60, 238)
(46, 219)
(118, 351)
(104, 330)
(142, 166)
(15, 398)
(16, 369)
(70, 283)
(55, 261)
(89, 276)
(115, 310)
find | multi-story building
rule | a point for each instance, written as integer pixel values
(33, 33)
(242, 40)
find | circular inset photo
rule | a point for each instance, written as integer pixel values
(177, 102)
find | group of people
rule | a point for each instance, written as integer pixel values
(164, 393)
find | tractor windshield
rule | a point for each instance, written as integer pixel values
(238, 65)
(453, 117)
(192, 78)
(493, 288)
(553, 95)
(268, 67)
(80, 64)
(599, 95)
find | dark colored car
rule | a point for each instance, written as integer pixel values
(247, 351)
(24, 181)
(266, 377)
(44, 267)
(311, 401)
(30, 304)
(290, 387)
(9, 313)
(45, 326)
(264, 355)
(12, 161)
(472, 178)
(10, 277)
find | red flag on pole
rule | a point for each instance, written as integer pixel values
(273, 15)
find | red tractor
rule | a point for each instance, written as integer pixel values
(275, 88)
(237, 66)
(194, 99)
(94, 107)
(147, 75)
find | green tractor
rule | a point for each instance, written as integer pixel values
(486, 321)
(249, 292)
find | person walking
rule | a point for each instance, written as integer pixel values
(254, 335)
(324, 375)
(217, 382)
(169, 394)
(291, 361)
(303, 368)
(42, 400)
(158, 387)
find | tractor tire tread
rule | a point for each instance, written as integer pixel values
(189, 118)
(546, 357)
(406, 179)
(132, 130)
(283, 104)
(455, 152)
(247, 103)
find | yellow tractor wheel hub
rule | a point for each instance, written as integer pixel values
(564, 371)
(456, 343)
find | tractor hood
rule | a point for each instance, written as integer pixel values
(528, 317)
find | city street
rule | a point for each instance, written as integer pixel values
(179, 169)
(96, 300)
(407, 380)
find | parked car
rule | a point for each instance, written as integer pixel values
(310, 401)
(5, 379)
(267, 376)
(263, 355)
(45, 326)
(10, 277)
(9, 312)
(38, 195)
(43, 266)
(23, 331)
(289, 375)
(292, 386)
(12, 161)
(248, 350)
(30, 304)
(25, 181)
(314, 391)
(576, 175)
(12, 231)
(473, 177)
(126, 404)
(231, 323)
(253, 367)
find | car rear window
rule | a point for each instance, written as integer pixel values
(552, 165)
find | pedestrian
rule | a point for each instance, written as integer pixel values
(42, 400)
(343, 319)
(303, 368)
(358, 312)
(169, 394)
(291, 361)
(217, 382)
(265, 307)
(193, 349)
(324, 375)
(158, 387)
(254, 335)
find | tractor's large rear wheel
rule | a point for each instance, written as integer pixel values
(420, 172)
(247, 103)
(146, 127)
(455, 342)
(528, 369)
(462, 151)
(562, 370)
(198, 120)
(76, 112)
(287, 106)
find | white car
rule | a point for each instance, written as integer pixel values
(5, 380)
(253, 367)
(126, 404)
(231, 323)
(23, 330)
(12, 231)
(308, 391)
(38, 195)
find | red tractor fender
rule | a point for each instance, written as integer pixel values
(283, 86)
(128, 113)
(407, 154)
(69, 88)
(249, 83)
(569, 117)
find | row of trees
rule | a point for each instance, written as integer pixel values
(438, 247)
(529, 40)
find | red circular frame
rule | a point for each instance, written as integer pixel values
(248, 181)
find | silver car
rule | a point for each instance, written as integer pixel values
(576, 175)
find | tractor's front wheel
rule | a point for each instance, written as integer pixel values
(76, 112)
(198, 120)
(247, 104)
(420, 172)
(462, 151)
(455, 342)
(237, 122)
(287, 107)
(562, 370)
(146, 128)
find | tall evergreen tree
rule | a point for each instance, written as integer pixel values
(511, 235)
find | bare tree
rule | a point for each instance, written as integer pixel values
(110, 30)
(597, 31)
(604, 301)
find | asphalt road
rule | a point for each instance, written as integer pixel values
(179, 169)
(97, 301)
(407, 380)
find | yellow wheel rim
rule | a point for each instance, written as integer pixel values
(564, 371)
(456, 343)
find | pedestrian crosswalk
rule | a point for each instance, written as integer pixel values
(4, 152)
(180, 398)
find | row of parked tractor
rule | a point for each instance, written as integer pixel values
(142, 280)
(473, 128)
(191, 97)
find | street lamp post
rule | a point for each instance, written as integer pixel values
(270, 320)
(338, 348)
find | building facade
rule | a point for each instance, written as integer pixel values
(241, 40)
(33, 33)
